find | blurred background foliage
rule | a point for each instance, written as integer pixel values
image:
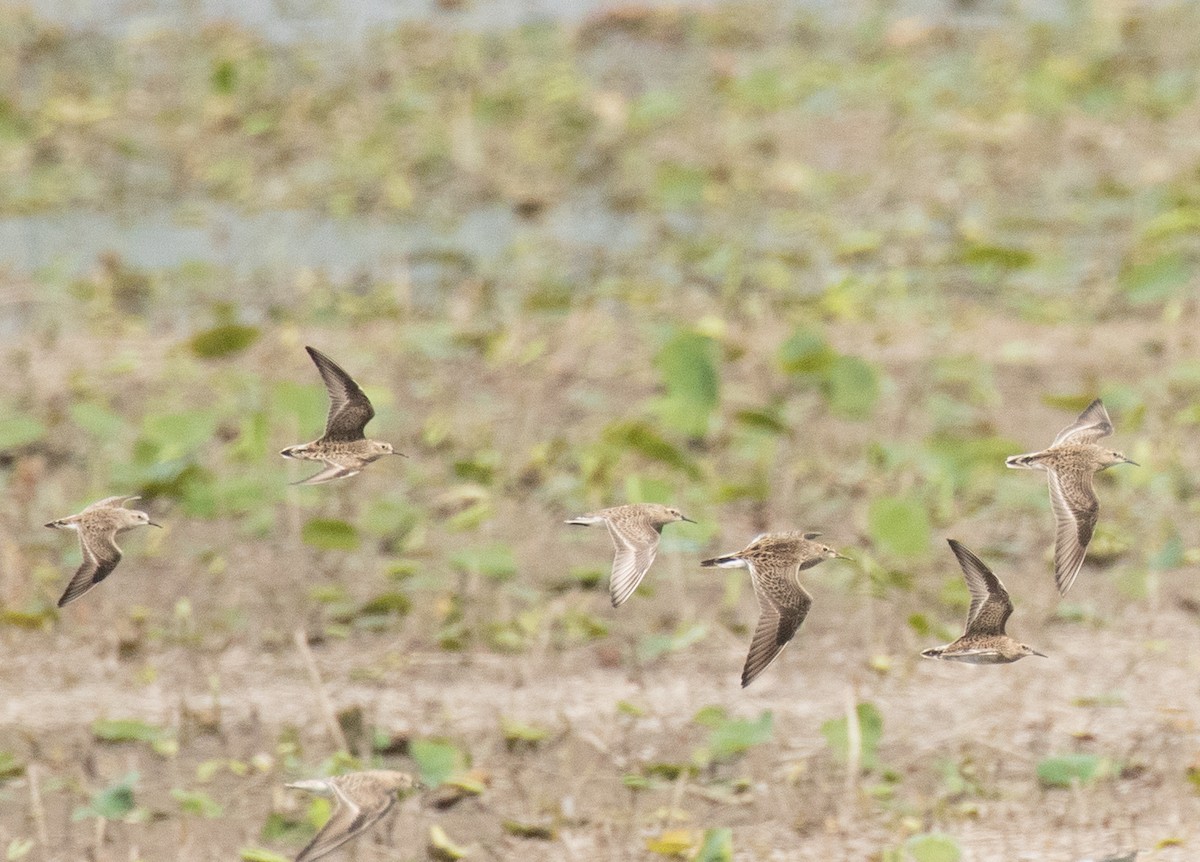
(783, 269)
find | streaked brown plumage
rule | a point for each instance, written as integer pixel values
(361, 800)
(775, 561)
(98, 526)
(635, 530)
(344, 449)
(1070, 463)
(983, 640)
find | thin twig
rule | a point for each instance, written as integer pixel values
(33, 773)
(314, 677)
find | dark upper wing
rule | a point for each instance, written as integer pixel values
(636, 542)
(349, 819)
(1076, 511)
(1092, 424)
(990, 604)
(783, 605)
(100, 557)
(349, 408)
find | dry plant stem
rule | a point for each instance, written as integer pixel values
(38, 809)
(314, 677)
(853, 747)
(98, 837)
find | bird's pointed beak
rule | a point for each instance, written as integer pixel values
(686, 518)
(401, 454)
(1131, 461)
(843, 557)
(152, 524)
(1035, 652)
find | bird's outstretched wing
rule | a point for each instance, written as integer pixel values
(350, 818)
(349, 408)
(100, 557)
(1092, 424)
(990, 604)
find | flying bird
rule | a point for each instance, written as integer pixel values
(635, 530)
(983, 640)
(98, 526)
(775, 561)
(1070, 463)
(344, 449)
(361, 799)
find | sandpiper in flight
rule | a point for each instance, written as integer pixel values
(361, 800)
(97, 526)
(635, 530)
(983, 641)
(1070, 462)
(344, 449)
(775, 561)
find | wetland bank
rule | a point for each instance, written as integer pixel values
(784, 271)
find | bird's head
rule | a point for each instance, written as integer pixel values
(1110, 458)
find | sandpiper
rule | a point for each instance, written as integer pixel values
(344, 449)
(983, 641)
(1070, 462)
(361, 800)
(635, 530)
(97, 526)
(775, 561)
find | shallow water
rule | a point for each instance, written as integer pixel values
(245, 243)
(339, 20)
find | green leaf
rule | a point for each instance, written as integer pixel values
(517, 734)
(1156, 280)
(112, 803)
(436, 760)
(305, 402)
(998, 256)
(258, 854)
(717, 846)
(18, 848)
(10, 767)
(196, 802)
(330, 534)
(1064, 770)
(386, 604)
(870, 729)
(18, 430)
(672, 842)
(534, 831)
(177, 434)
(680, 186)
(1069, 403)
(641, 438)
(126, 730)
(899, 526)
(933, 847)
(736, 736)
(651, 646)
(687, 363)
(441, 848)
(494, 561)
(98, 421)
(852, 387)
(223, 340)
(806, 352)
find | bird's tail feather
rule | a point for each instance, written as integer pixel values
(1029, 461)
(727, 562)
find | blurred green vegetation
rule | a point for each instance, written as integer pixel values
(870, 260)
